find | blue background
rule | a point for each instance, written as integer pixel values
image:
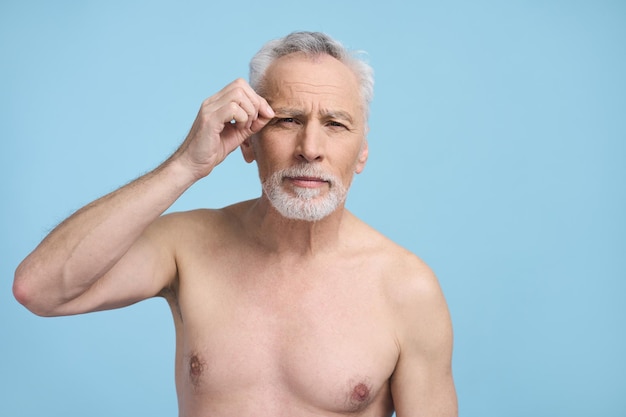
(497, 154)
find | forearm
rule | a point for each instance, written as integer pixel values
(90, 242)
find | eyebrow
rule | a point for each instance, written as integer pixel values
(336, 114)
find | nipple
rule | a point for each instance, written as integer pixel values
(196, 366)
(360, 393)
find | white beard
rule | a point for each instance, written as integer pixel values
(303, 203)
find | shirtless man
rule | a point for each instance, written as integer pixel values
(286, 305)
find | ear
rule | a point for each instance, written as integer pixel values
(247, 150)
(360, 163)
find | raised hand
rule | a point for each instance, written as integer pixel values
(224, 121)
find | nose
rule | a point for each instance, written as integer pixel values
(310, 147)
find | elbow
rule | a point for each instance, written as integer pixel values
(21, 290)
(28, 294)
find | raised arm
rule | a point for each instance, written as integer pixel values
(422, 383)
(114, 251)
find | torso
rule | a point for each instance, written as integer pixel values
(260, 336)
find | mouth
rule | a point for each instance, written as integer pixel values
(307, 182)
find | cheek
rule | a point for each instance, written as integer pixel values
(269, 158)
(272, 147)
(347, 171)
(357, 158)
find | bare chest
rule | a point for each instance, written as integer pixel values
(319, 339)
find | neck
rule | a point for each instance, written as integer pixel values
(283, 236)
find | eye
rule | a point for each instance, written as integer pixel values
(285, 122)
(336, 124)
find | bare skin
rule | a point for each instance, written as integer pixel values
(274, 317)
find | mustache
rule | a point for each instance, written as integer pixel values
(306, 170)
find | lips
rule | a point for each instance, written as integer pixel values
(307, 182)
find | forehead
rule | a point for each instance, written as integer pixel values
(320, 81)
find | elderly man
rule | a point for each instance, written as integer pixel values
(286, 305)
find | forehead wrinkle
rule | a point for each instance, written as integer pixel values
(294, 103)
(294, 97)
(322, 113)
(293, 88)
(299, 77)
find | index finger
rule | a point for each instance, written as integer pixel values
(244, 96)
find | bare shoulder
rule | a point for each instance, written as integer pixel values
(204, 218)
(422, 379)
(409, 284)
(402, 269)
(204, 225)
(186, 237)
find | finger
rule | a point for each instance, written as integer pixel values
(238, 103)
(235, 113)
(234, 108)
(258, 110)
(265, 110)
(242, 93)
(249, 101)
(266, 114)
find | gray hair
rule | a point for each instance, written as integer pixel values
(312, 44)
